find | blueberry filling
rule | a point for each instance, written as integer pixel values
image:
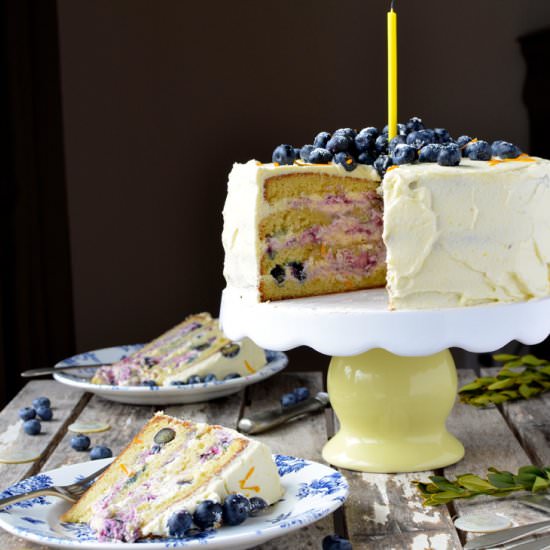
(278, 273)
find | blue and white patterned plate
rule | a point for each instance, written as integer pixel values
(312, 491)
(159, 395)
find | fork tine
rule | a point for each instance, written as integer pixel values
(81, 484)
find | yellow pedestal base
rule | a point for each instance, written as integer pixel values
(392, 412)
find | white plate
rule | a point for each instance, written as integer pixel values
(160, 395)
(312, 491)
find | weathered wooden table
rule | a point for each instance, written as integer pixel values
(382, 511)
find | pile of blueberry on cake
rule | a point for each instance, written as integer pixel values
(414, 142)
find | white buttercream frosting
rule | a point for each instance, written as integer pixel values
(466, 235)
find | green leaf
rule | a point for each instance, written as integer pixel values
(528, 391)
(534, 470)
(541, 484)
(474, 483)
(502, 384)
(503, 357)
(532, 360)
(502, 480)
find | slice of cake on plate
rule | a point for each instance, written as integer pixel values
(191, 350)
(176, 475)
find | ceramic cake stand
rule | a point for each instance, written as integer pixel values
(392, 380)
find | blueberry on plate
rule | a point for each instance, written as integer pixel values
(235, 509)
(367, 157)
(210, 377)
(208, 515)
(403, 154)
(429, 153)
(301, 393)
(231, 376)
(41, 402)
(80, 442)
(381, 144)
(442, 135)
(284, 154)
(336, 542)
(345, 160)
(194, 379)
(32, 426)
(503, 150)
(27, 413)
(321, 140)
(150, 383)
(100, 451)
(178, 523)
(415, 124)
(478, 150)
(338, 143)
(257, 505)
(178, 383)
(320, 155)
(305, 151)
(449, 155)
(44, 413)
(382, 163)
(288, 399)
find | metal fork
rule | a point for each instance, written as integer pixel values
(70, 492)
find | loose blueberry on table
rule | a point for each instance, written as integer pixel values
(99, 452)
(41, 402)
(27, 413)
(336, 542)
(44, 413)
(32, 426)
(301, 393)
(288, 399)
(80, 442)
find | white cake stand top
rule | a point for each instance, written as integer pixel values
(355, 322)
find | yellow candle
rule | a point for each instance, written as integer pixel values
(392, 73)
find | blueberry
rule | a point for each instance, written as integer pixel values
(257, 505)
(462, 141)
(364, 141)
(230, 350)
(231, 376)
(346, 161)
(27, 413)
(288, 399)
(404, 154)
(401, 130)
(297, 152)
(150, 362)
(32, 426)
(381, 144)
(150, 383)
(442, 135)
(210, 378)
(208, 514)
(155, 449)
(100, 451)
(415, 124)
(449, 155)
(41, 402)
(284, 154)
(301, 393)
(336, 542)
(80, 442)
(367, 157)
(320, 156)
(278, 273)
(44, 413)
(305, 151)
(429, 153)
(419, 138)
(194, 379)
(382, 163)
(164, 436)
(235, 509)
(297, 269)
(321, 140)
(350, 133)
(397, 140)
(178, 383)
(179, 523)
(501, 149)
(338, 143)
(478, 150)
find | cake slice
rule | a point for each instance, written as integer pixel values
(195, 347)
(170, 467)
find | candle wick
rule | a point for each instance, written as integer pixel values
(392, 5)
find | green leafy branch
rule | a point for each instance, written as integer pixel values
(498, 483)
(509, 384)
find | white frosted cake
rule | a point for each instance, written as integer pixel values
(194, 348)
(436, 236)
(170, 469)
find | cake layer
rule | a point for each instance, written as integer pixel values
(196, 346)
(151, 480)
(466, 235)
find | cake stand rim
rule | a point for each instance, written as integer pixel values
(339, 325)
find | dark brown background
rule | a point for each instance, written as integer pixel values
(160, 98)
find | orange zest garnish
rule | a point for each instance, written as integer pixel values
(323, 249)
(392, 168)
(248, 366)
(349, 161)
(124, 469)
(242, 482)
(276, 164)
(138, 440)
(348, 283)
(522, 158)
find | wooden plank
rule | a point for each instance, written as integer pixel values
(528, 419)
(304, 437)
(66, 402)
(488, 442)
